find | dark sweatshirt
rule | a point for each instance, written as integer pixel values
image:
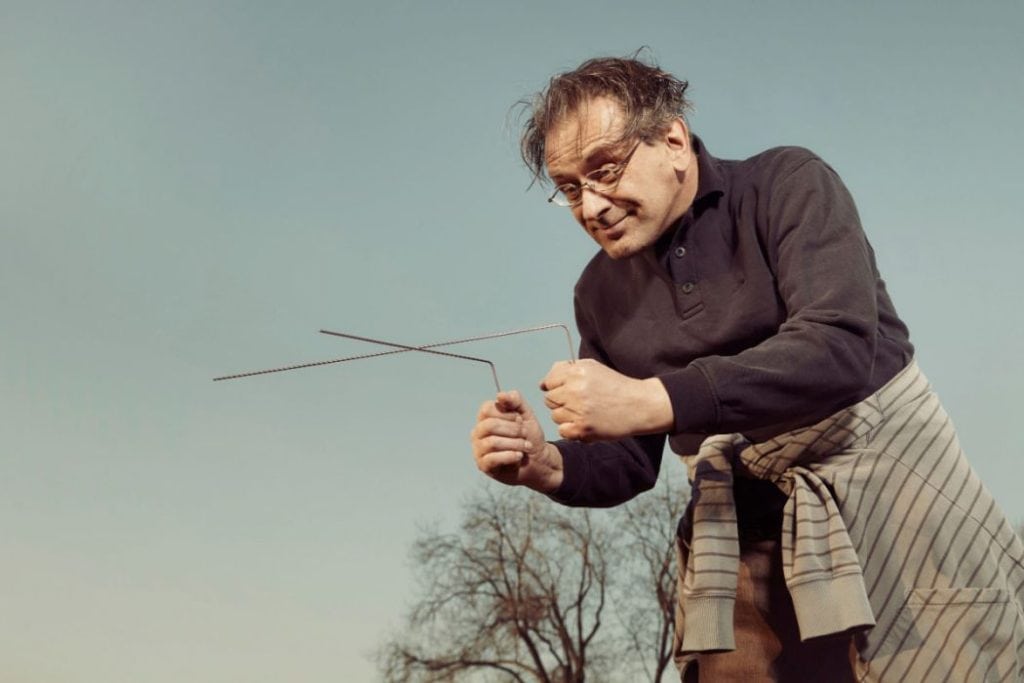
(761, 310)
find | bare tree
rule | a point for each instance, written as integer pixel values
(528, 590)
(520, 591)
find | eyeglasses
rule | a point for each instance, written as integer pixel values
(601, 180)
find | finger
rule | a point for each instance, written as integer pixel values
(575, 432)
(558, 396)
(492, 462)
(498, 428)
(490, 409)
(556, 376)
(525, 411)
(487, 409)
(562, 415)
(509, 401)
(515, 402)
(500, 444)
(494, 426)
(561, 398)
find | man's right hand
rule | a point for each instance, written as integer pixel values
(509, 446)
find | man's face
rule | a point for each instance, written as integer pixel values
(655, 189)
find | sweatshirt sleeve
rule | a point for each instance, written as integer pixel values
(822, 356)
(607, 473)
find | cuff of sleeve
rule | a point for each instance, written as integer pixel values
(709, 624)
(848, 606)
(694, 405)
(575, 469)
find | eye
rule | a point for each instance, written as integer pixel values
(605, 175)
(570, 190)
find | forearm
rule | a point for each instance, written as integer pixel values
(800, 373)
(607, 473)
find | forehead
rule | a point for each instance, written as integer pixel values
(597, 124)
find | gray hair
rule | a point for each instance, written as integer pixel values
(650, 99)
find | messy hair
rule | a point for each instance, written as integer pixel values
(650, 99)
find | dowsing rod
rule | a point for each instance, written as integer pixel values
(402, 348)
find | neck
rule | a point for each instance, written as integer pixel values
(688, 186)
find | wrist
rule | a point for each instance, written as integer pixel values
(554, 476)
(655, 414)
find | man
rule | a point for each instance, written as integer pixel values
(835, 530)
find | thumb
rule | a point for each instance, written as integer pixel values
(509, 402)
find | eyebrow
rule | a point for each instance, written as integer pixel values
(607, 151)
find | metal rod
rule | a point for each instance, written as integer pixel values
(309, 365)
(422, 349)
(452, 342)
(464, 340)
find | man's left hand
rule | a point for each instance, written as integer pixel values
(591, 402)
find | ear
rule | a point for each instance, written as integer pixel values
(677, 141)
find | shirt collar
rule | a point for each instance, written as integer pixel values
(710, 184)
(710, 181)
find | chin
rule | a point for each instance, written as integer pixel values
(628, 245)
(618, 250)
(631, 243)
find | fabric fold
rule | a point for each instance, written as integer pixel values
(709, 587)
(819, 561)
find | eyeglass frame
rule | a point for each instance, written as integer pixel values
(617, 170)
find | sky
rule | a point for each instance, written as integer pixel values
(192, 189)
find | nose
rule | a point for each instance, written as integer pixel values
(593, 205)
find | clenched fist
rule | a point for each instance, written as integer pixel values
(591, 402)
(509, 446)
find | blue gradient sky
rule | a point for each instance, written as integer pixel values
(189, 189)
